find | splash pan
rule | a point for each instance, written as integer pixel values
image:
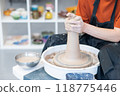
(60, 72)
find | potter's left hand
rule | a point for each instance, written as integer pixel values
(74, 23)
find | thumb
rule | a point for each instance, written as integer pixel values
(78, 18)
(70, 15)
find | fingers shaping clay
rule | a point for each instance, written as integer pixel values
(73, 57)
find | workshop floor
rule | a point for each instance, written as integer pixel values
(7, 61)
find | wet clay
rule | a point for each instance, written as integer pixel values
(28, 59)
(72, 56)
(49, 59)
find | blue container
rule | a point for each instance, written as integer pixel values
(16, 43)
(25, 18)
(34, 7)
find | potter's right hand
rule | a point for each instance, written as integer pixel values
(74, 23)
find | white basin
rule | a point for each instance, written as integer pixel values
(60, 72)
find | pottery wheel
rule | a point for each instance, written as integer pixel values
(84, 61)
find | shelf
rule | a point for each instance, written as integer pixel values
(41, 32)
(11, 27)
(17, 37)
(24, 47)
(61, 20)
(9, 19)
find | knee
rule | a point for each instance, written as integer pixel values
(104, 50)
(110, 48)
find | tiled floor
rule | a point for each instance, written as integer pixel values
(7, 61)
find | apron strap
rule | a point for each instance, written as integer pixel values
(96, 3)
(113, 13)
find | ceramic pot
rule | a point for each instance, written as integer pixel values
(35, 15)
(7, 12)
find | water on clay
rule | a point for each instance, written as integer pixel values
(89, 59)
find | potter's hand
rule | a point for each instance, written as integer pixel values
(73, 23)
